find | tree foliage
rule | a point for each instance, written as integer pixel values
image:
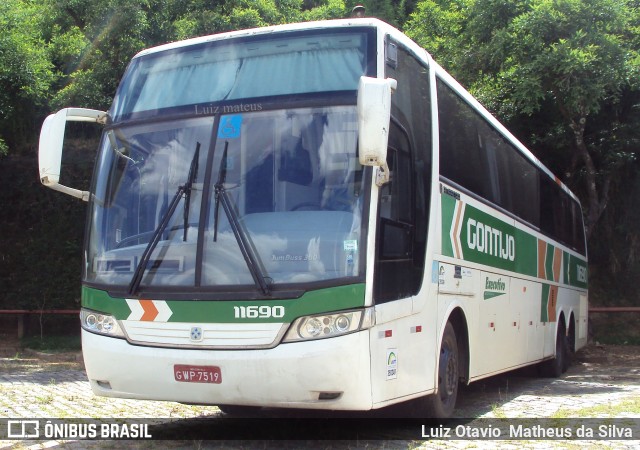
(26, 72)
(563, 61)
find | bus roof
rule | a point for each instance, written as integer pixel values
(302, 26)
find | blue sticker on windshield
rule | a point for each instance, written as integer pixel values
(230, 127)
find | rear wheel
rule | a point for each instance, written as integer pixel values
(555, 367)
(441, 404)
(569, 346)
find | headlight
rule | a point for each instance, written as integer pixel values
(100, 323)
(324, 326)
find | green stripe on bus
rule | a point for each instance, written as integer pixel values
(544, 304)
(548, 263)
(487, 240)
(484, 239)
(98, 300)
(222, 311)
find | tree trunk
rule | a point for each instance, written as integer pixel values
(597, 201)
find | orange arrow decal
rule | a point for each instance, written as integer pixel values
(150, 310)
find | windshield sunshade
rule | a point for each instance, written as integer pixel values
(230, 71)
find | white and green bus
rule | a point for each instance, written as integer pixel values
(315, 216)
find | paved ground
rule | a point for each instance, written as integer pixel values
(603, 382)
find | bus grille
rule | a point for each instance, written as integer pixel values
(204, 336)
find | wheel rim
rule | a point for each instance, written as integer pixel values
(451, 374)
(448, 373)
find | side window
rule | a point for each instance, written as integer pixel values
(476, 156)
(395, 196)
(404, 202)
(522, 180)
(461, 158)
(578, 237)
(560, 216)
(394, 258)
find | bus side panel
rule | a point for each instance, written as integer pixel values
(402, 364)
(572, 302)
(525, 296)
(494, 324)
(582, 321)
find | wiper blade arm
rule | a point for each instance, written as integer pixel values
(134, 285)
(247, 251)
(219, 188)
(193, 175)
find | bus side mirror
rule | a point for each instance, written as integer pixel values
(374, 113)
(51, 142)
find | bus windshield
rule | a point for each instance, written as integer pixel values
(279, 193)
(195, 78)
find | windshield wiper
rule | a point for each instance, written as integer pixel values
(193, 174)
(219, 187)
(247, 251)
(134, 285)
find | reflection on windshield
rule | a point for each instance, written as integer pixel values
(139, 172)
(293, 187)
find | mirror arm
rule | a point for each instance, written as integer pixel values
(382, 175)
(82, 195)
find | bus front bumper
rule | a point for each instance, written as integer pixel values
(323, 374)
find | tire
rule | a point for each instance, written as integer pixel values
(441, 404)
(569, 346)
(555, 367)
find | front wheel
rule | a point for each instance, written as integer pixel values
(441, 404)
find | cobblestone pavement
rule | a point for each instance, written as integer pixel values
(603, 382)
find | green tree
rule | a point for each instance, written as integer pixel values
(563, 59)
(25, 71)
(232, 15)
(438, 26)
(104, 36)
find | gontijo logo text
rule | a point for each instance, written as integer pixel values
(492, 241)
(476, 236)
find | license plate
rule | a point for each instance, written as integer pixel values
(197, 374)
